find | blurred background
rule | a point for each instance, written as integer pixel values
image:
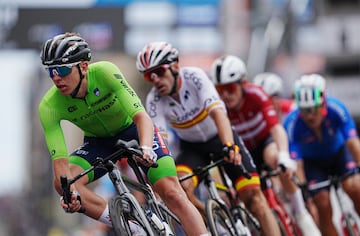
(288, 37)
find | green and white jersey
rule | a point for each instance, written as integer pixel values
(107, 108)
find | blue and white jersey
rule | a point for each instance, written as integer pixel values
(337, 127)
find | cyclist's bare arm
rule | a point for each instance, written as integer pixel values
(146, 130)
(225, 133)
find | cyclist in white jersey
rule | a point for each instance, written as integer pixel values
(186, 100)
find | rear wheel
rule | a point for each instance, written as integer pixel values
(128, 217)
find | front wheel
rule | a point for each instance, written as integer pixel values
(128, 217)
(250, 222)
(219, 219)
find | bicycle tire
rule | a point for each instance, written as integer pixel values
(124, 209)
(241, 213)
(217, 216)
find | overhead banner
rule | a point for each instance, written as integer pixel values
(103, 28)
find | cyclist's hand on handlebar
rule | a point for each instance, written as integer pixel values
(149, 156)
(74, 205)
(232, 153)
(287, 163)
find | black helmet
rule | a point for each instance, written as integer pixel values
(65, 49)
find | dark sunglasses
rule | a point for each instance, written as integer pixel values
(310, 110)
(61, 70)
(230, 88)
(158, 72)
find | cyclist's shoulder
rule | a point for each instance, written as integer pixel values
(192, 74)
(255, 92)
(336, 108)
(333, 102)
(101, 69)
(292, 118)
(103, 65)
(51, 97)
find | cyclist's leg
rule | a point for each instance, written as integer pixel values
(323, 204)
(317, 171)
(193, 155)
(250, 193)
(302, 216)
(351, 185)
(189, 187)
(165, 182)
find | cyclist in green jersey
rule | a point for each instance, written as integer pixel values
(98, 100)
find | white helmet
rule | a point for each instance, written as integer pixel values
(227, 69)
(155, 54)
(270, 82)
(309, 91)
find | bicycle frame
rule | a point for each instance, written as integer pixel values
(204, 173)
(275, 204)
(349, 220)
(128, 150)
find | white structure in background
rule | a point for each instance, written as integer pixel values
(187, 27)
(18, 71)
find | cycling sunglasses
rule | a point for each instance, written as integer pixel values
(309, 110)
(158, 72)
(230, 88)
(60, 70)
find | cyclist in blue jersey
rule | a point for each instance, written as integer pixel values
(323, 135)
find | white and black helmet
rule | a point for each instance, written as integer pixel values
(156, 54)
(270, 82)
(309, 91)
(65, 49)
(227, 69)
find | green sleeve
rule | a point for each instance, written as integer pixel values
(54, 135)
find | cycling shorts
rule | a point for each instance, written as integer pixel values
(94, 147)
(342, 163)
(193, 155)
(258, 153)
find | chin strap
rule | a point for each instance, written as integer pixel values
(174, 87)
(76, 90)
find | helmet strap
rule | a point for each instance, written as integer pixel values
(76, 90)
(174, 87)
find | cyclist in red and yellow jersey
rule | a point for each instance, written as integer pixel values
(185, 99)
